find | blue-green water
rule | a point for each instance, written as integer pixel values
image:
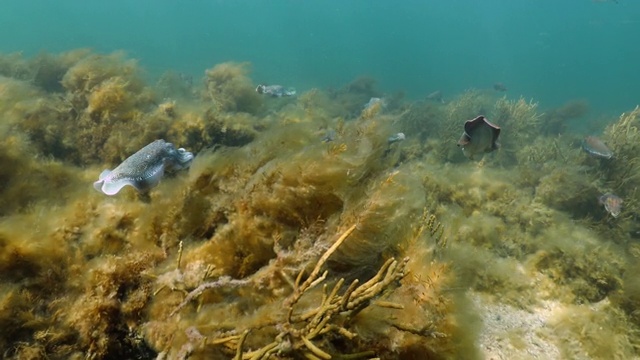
(548, 50)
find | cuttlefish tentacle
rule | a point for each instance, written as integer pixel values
(144, 169)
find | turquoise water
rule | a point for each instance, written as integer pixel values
(548, 50)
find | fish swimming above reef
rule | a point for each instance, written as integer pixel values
(596, 148)
(612, 203)
(479, 137)
(144, 169)
(499, 87)
(435, 96)
(275, 90)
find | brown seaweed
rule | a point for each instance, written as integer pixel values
(278, 242)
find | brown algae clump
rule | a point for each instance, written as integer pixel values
(299, 230)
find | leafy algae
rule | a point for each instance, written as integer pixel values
(276, 242)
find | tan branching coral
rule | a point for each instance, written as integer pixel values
(297, 332)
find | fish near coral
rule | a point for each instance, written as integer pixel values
(612, 203)
(479, 137)
(275, 90)
(596, 148)
(144, 169)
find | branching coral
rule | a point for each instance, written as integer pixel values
(298, 332)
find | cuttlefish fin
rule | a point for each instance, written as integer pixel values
(101, 179)
(113, 187)
(479, 121)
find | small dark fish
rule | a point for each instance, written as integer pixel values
(612, 203)
(499, 87)
(595, 147)
(479, 137)
(436, 96)
(275, 90)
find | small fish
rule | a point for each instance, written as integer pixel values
(499, 87)
(329, 136)
(612, 203)
(395, 138)
(391, 140)
(595, 147)
(436, 96)
(374, 101)
(479, 137)
(275, 90)
(144, 169)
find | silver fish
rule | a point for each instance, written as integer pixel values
(612, 203)
(596, 148)
(144, 169)
(479, 137)
(374, 101)
(436, 96)
(275, 90)
(396, 137)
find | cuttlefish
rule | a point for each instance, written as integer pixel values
(144, 169)
(596, 148)
(479, 137)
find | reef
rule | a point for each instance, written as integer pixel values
(300, 231)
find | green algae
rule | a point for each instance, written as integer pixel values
(211, 266)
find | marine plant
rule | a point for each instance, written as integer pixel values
(229, 89)
(555, 120)
(467, 105)
(519, 119)
(299, 231)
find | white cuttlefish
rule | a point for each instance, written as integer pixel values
(144, 169)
